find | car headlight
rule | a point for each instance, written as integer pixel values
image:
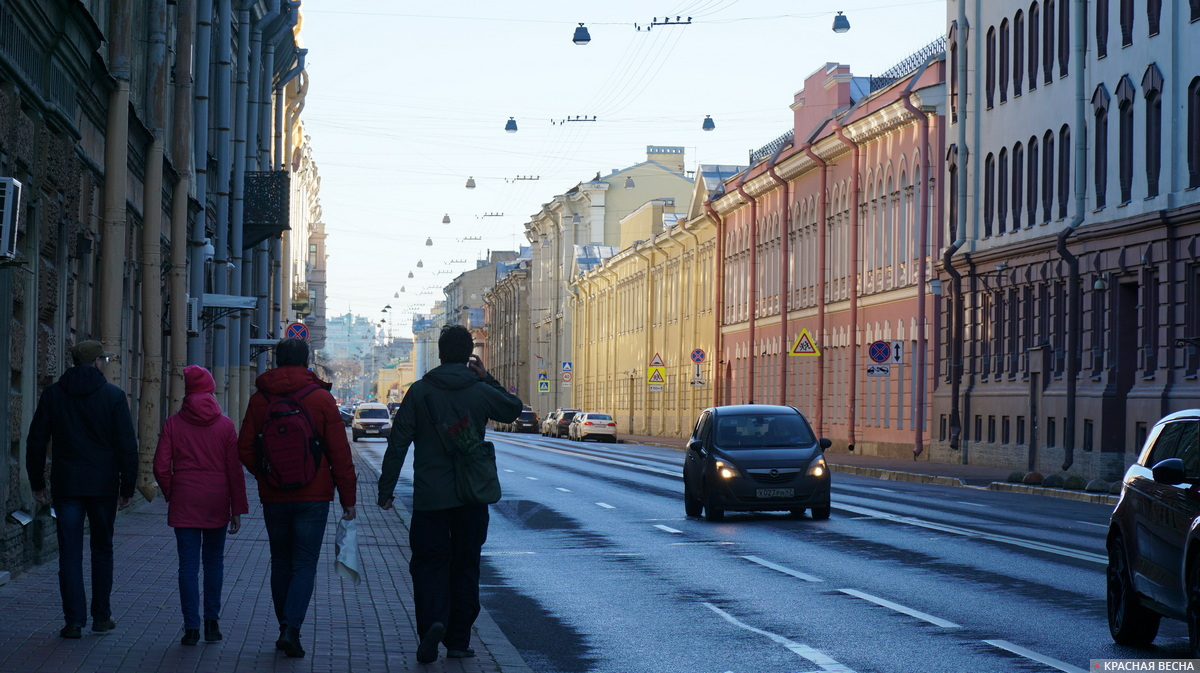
(726, 470)
(817, 468)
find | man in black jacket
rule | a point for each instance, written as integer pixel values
(93, 470)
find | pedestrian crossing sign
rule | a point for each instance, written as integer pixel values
(543, 386)
(804, 345)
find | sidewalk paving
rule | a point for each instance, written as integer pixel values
(349, 628)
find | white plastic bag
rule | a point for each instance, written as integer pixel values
(345, 549)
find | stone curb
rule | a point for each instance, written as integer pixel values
(895, 475)
(1082, 496)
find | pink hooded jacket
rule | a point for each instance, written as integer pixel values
(196, 463)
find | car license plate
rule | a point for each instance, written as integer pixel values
(371, 431)
(776, 492)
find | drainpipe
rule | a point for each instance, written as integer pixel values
(1074, 289)
(783, 274)
(196, 280)
(924, 121)
(719, 305)
(239, 348)
(958, 307)
(694, 308)
(822, 279)
(181, 158)
(856, 192)
(116, 179)
(741, 188)
(636, 248)
(250, 163)
(223, 177)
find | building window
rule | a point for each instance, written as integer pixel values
(952, 207)
(1051, 434)
(1101, 28)
(1064, 169)
(1100, 169)
(1126, 23)
(1004, 432)
(1060, 328)
(1004, 61)
(1152, 83)
(1002, 193)
(1064, 38)
(1151, 318)
(1048, 40)
(953, 38)
(1192, 320)
(1020, 429)
(978, 427)
(1018, 52)
(1153, 14)
(1089, 433)
(942, 426)
(989, 194)
(1047, 175)
(1031, 180)
(991, 430)
(1125, 93)
(1018, 184)
(1193, 132)
(990, 77)
(1035, 18)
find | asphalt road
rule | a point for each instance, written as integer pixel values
(592, 566)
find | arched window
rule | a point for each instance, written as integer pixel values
(1035, 19)
(1126, 23)
(1101, 28)
(1018, 184)
(1018, 52)
(1125, 96)
(1048, 42)
(952, 207)
(1002, 193)
(1032, 182)
(902, 221)
(889, 222)
(1003, 75)
(1047, 175)
(1100, 142)
(1153, 15)
(1064, 169)
(989, 194)
(1064, 38)
(1152, 84)
(953, 39)
(1193, 126)
(990, 72)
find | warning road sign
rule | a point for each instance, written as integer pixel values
(804, 345)
(656, 375)
(657, 361)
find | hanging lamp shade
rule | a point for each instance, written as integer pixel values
(401, 290)
(629, 183)
(420, 264)
(387, 307)
(446, 218)
(840, 23)
(581, 35)
(410, 274)
(708, 124)
(429, 241)
(470, 183)
(511, 125)
(397, 295)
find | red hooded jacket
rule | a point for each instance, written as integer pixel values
(196, 463)
(337, 465)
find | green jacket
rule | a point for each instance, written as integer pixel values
(460, 398)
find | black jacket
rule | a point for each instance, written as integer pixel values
(95, 446)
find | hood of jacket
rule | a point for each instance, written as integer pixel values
(200, 409)
(82, 380)
(451, 376)
(287, 380)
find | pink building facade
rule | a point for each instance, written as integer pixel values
(832, 232)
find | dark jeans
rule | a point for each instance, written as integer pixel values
(446, 545)
(296, 530)
(101, 512)
(194, 543)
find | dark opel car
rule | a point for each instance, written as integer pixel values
(1153, 536)
(755, 457)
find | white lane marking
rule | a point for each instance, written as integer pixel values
(826, 662)
(509, 471)
(1030, 654)
(532, 478)
(973, 504)
(966, 532)
(645, 468)
(505, 553)
(1089, 523)
(936, 621)
(786, 571)
(564, 490)
(885, 490)
(667, 528)
(605, 505)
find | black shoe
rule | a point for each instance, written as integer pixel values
(71, 631)
(459, 654)
(190, 637)
(279, 641)
(103, 625)
(427, 651)
(212, 631)
(291, 643)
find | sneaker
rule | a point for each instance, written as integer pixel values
(103, 625)
(212, 631)
(459, 654)
(427, 651)
(190, 637)
(71, 631)
(291, 643)
(279, 643)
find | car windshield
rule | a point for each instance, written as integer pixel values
(759, 430)
(527, 416)
(373, 413)
(567, 415)
(599, 417)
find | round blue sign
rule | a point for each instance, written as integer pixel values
(297, 330)
(880, 351)
(698, 355)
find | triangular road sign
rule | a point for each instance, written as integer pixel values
(657, 377)
(804, 345)
(657, 361)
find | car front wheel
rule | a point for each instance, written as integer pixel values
(820, 512)
(692, 506)
(1129, 622)
(712, 510)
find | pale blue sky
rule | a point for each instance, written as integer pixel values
(407, 100)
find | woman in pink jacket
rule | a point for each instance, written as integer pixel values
(201, 478)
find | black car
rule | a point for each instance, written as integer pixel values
(755, 457)
(526, 422)
(1153, 568)
(562, 424)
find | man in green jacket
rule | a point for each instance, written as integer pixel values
(446, 535)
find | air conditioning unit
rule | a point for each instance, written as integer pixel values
(193, 315)
(10, 216)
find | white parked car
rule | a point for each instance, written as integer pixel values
(371, 419)
(592, 425)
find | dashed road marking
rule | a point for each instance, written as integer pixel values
(826, 662)
(533, 479)
(885, 490)
(1089, 523)
(564, 490)
(605, 505)
(667, 529)
(973, 504)
(936, 621)
(786, 571)
(509, 471)
(1030, 654)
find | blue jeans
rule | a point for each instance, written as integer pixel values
(194, 543)
(296, 531)
(101, 512)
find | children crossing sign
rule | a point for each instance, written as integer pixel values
(804, 345)
(656, 373)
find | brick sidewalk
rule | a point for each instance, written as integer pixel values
(368, 627)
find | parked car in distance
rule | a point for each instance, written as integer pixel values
(1151, 572)
(755, 457)
(347, 413)
(371, 419)
(562, 424)
(526, 422)
(592, 425)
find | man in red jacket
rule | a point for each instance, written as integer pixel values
(296, 518)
